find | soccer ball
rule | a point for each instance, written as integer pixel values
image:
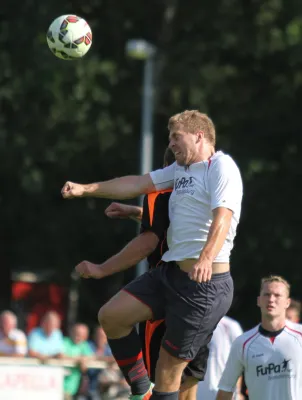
(69, 37)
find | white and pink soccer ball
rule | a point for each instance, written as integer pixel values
(69, 37)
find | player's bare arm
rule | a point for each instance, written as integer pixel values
(135, 251)
(222, 395)
(239, 383)
(202, 270)
(126, 187)
(120, 210)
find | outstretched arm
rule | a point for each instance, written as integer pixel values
(126, 187)
(135, 251)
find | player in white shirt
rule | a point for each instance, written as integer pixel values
(270, 354)
(224, 335)
(192, 288)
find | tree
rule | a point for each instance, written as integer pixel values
(238, 61)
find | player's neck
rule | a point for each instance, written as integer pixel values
(205, 154)
(273, 325)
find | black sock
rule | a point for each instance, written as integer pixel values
(128, 354)
(164, 395)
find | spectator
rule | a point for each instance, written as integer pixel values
(77, 349)
(13, 341)
(100, 346)
(294, 311)
(46, 341)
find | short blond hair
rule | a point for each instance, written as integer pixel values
(194, 121)
(275, 278)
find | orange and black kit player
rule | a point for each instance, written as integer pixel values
(136, 358)
(155, 218)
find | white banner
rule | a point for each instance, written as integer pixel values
(31, 382)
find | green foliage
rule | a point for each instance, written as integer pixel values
(239, 61)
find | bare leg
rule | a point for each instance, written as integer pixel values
(188, 390)
(121, 313)
(168, 372)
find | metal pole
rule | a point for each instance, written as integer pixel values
(146, 132)
(147, 118)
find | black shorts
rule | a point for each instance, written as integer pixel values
(191, 310)
(151, 334)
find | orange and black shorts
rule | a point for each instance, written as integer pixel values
(151, 334)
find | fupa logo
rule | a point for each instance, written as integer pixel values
(273, 368)
(183, 182)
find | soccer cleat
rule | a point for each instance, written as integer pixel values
(145, 396)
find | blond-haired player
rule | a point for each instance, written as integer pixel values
(270, 354)
(192, 288)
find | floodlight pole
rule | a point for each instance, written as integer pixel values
(140, 49)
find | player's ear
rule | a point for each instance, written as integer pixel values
(258, 301)
(199, 136)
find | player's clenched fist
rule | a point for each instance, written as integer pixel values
(87, 269)
(120, 210)
(117, 210)
(71, 189)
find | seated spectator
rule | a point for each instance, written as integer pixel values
(13, 341)
(100, 346)
(46, 341)
(77, 349)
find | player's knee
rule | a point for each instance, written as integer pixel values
(111, 321)
(106, 319)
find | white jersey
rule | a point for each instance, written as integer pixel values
(220, 345)
(272, 365)
(199, 189)
(14, 343)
